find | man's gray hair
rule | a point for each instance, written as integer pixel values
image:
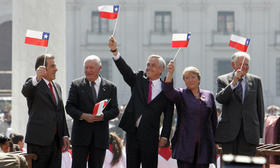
(240, 54)
(161, 61)
(94, 58)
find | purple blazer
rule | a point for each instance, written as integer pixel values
(196, 125)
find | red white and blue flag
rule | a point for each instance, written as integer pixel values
(99, 107)
(180, 40)
(108, 11)
(239, 43)
(37, 38)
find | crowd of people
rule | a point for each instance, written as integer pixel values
(147, 119)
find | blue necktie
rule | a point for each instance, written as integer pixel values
(239, 90)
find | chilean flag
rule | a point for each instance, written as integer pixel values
(108, 11)
(99, 107)
(239, 43)
(180, 40)
(37, 38)
(165, 152)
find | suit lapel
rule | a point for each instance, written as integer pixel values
(146, 90)
(247, 86)
(58, 94)
(102, 90)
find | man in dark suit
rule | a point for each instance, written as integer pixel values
(241, 97)
(141, 118)
(90, 133)
(46, 128)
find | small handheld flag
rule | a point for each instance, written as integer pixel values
(180, 40)
(99, 107)
(108, 11)
(165, 152)
(37, 38)
(239, 43)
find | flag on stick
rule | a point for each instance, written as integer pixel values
(37, 38)
(239, 43)
(99, 107)
(180, 40)
(108, 11)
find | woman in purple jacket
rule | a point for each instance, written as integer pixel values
(193, 143)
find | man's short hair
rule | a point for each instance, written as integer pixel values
(161, 61)
(240, 54)
(92, 57)
(40, 60)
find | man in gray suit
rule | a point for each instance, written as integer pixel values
(241, 97)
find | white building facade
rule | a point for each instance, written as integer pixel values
(146, 27)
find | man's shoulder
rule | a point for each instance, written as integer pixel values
(252, 76)
(108, 82)
(225, 76)
(78, 80)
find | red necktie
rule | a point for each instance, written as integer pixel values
(51, 88)
(150, 92)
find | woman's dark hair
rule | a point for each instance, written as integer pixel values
(117, 146)
(16, 138)
(3, 139)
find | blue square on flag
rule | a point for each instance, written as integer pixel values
(247, 42)
(116, 8)
(45, 36)
(188, 37)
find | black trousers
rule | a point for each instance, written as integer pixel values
(137, 152)
(81, 154)
(239, 146)
(182, 164)
(48, 156)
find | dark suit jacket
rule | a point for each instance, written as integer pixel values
(45, 117)
(234, 113)
(80, 101)
(148, 130)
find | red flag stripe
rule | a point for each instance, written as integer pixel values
(35, 41)
(176, 44)
(108, 15)
(238, 46)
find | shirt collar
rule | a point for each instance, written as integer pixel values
(156, 82)
(97, 81)
(47, 82)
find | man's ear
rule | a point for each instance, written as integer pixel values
(232, 65)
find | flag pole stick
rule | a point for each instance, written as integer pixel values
(46, 50)
(116, 23)
(242, 63)
(176, 54)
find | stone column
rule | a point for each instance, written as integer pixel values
(42, 15)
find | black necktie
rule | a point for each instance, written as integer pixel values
(93, 92)
(239, 90)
